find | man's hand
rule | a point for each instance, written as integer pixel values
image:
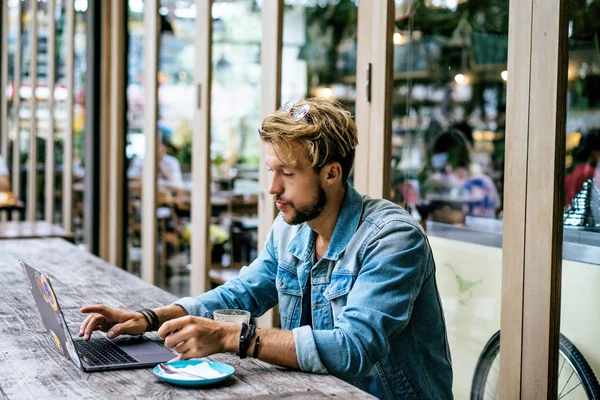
(195, 337)
(111, 320)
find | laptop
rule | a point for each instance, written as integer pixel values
(99, 353)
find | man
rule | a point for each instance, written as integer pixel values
(169, 169)
(354, 277)
(4, 181)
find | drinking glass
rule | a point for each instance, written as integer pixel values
(232, 316)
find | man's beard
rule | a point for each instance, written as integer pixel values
(309, 211)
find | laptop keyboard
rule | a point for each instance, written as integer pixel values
(102, 352)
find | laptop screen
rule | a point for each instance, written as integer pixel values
(47, 304)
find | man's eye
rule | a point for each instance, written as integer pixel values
(287, 175)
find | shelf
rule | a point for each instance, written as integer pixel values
(412, 75)
(398, 76)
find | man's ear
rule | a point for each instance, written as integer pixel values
(332, 173)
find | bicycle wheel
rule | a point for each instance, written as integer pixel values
(576, 380)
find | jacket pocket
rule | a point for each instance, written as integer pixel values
(337, 292)
(290, 297)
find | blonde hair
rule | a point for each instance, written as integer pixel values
(327, 132)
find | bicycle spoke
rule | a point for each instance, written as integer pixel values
(491, 393)
(575, 387)
(565, 385)
(562, 365)
(491, 386)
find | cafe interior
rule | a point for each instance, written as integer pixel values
(129, 130)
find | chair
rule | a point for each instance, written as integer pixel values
(169, 228)
(183, 200)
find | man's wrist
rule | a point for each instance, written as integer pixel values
(168, 313)
(230, 337)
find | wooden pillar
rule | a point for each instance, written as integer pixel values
(532, 248)
(200, 212)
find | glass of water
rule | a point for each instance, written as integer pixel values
(230, 316)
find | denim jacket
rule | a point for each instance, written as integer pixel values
(377, 320)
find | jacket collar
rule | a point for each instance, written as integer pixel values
(301, 246)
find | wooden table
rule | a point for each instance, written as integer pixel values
(31, 368)
(31, 230)
(16, 206)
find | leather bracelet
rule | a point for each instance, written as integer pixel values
(149, 316)
(243, 335)
(246, 335)
(154, 318)
(255, 352)
(251, 333)
(147, 320)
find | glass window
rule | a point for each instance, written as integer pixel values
(19, 135)
(579, 359)
(25, 114)
(135, 147)
(319, 51)
(79, 106)
(60, 108)
(13, 48)
(176, 106)
(235, 145)
(449, 102)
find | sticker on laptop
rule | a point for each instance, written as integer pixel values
(71, 349)
(61, 322)
(56, 341)
(38, 279)
(48, 293)
(26, 276)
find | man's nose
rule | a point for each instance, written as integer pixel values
(275, 187)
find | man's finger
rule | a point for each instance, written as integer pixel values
(116, 330)
(182, 347)
(172, 325)
(96, 320)
(185, 355)
(96, 308)
(84, 324)
(174, 339)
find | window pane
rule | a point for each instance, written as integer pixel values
(13, 49)
(25, 106)
(235, 145)
(135, 147)
(79, 104)
(319, 51)
(449, 102)
(176, 101)
(581, 236)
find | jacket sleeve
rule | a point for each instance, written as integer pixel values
(253, 289)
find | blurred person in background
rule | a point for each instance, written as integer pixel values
(456, 186)
(169, 169)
